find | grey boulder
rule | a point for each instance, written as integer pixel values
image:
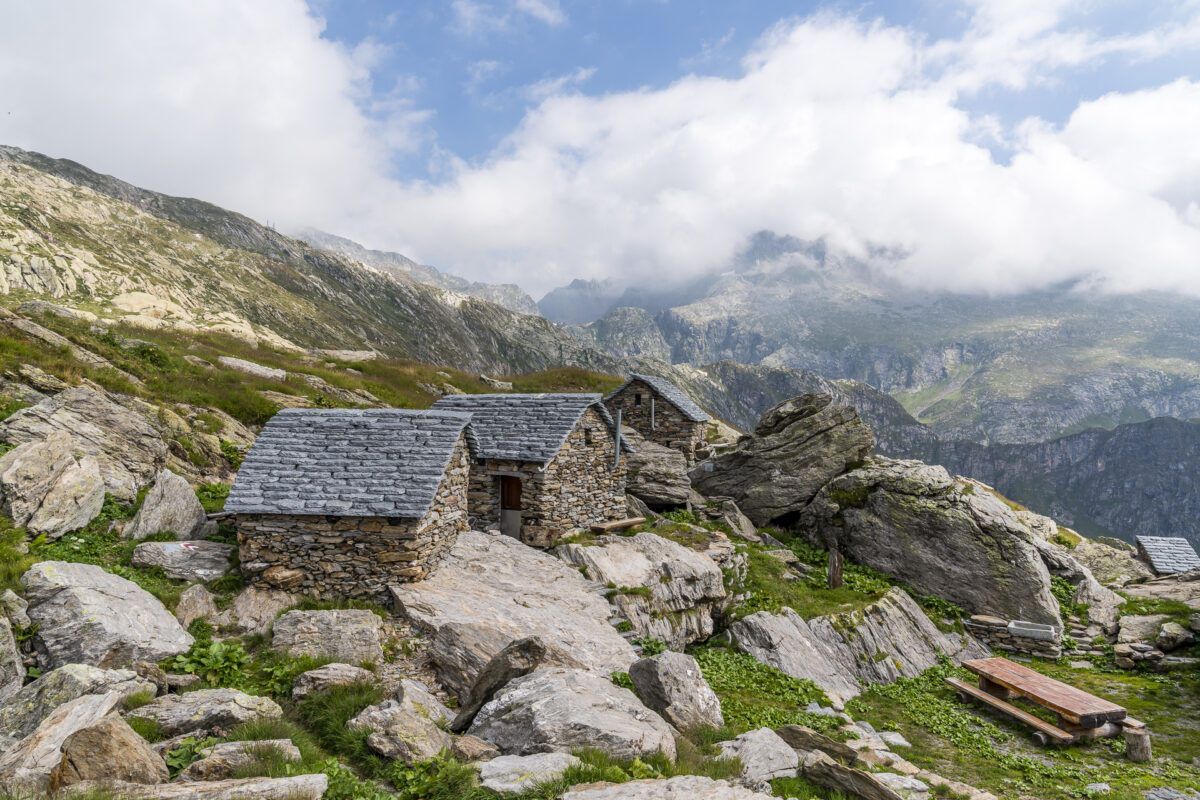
(322, 678)
(818, 768)
(24, 711)
(405, 728)
(185, 561)
(12, 665)
(109, 750)
(196, 602)
(170, 506)
(211, 710)
(88, 616)
(519, 773)
(764, 755)
(1140, 628)
(28, 473)
(26, 768)
(1172, 636)
(1111, 565)
(516, 659)
(222, 761)
(299, 787)
(350, 635)
(658, 476)
(796, 448)
(671, 684)
(681, 787)
(254, 610)
(75, 500)
(561, 710)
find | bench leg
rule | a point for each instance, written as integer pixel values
(1137, 744)
(994, 689)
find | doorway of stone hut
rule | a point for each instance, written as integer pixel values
(510, 506)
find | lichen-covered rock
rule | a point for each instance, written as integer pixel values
(185, 561)
(300, 787)
(26, 768)
(658, 475)
(15, 608)
(796, 448)
(1140, 628)
(1182, 588)
(12, 665)
(75, 500)
(211, 710)
(517, 658)
(681, 787)
(196, 602)
(170, 506)
(28, 473)
(31, 704)
(764, 756)
(672, 685)
(322, 678)
(128, 449)
(86, 615)
(684, 585)
(562, 710)
(1110, 565)
(803, 739)
(222, 761)
(404, 729)
(519, 773)
(1104, 605)
(350, 635)
(1172, 636)
(109, 750)
(254, 610)
(818, 768)
(491, 590)
(948, 537)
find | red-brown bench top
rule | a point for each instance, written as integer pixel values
(1073, 705)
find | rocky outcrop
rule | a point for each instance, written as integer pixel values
(344, 635)
(516, 659)
(763, 754)
(796, 448)
(300, 787)
(171, 505)
(657, 475)
(1182, 588)
(691, 787)
(127, 448)
(109, 750)
(1104, 605)
(562, 710)
(491, 590)
(254, 610)
(27, 767)
(12, 665)
(888, 639)
(1111, 565)
(683, 586)
(199, 560)
(75, 500)
(407, 727)
(29, 472)
(519, 773)
(672, 685)
(330, 675)
(940, 535)
(250, 368)
(213, 711)
(88, 616)
(222, 761)
(24, 711)
(195, 603)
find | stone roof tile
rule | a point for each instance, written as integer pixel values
(1169, 554)
(669, 392)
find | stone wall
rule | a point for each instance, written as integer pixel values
(327, 556)
(577, 489)
(671, 428)
(998, 634)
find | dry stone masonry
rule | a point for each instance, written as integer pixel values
(1015, 636)
(662, 413)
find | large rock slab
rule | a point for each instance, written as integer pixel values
(12, 665)
(1104, 605)
(491, 590)
(350, 635)
(672, 685)
(88, 616)
(822, 770)
(519, 773)
(170, 506)
(948, 537)
(562, 710)
(28, 473)
(75, 500)
(24, 711)
(803, 739)
(403, 730)
(517, 658)
(684, 585)
(1111, 566)
(888, 639)
(254, 610)
(681, 787)
(198, 560)
(211, 710)
(328, 676)
(28, 765)
(764, 756)
(196, 602)
(1141, 628)
(796, 448)
(658, 476)
(109, 750)
(1183, 588)
(300, 787)
(128, 449)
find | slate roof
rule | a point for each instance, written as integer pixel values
(671, 393)
(523, 427)
(1169, 554)
(376, 462)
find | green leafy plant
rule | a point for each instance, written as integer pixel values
(233, 453)
(217, 663)
(181, 757)
(755, 695)
(650, 646)
(213, 496)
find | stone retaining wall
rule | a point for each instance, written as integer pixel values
(997, 634)
(331, 556)
(671, 428)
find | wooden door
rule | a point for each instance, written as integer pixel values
(510, 506)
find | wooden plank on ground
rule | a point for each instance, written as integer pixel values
(1073, 705)
(1037, 724)
(617, 524)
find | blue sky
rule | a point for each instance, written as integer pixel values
(1000, 145)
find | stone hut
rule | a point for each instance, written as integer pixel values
(543, 465)
(661, 412)
(341, 502)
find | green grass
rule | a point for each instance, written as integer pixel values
(771, 586)
(13, 562)
(325, 715)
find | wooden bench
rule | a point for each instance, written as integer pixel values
(1040, 726)
(617, 524)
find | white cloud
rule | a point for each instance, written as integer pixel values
(836, 128)
(548, 87)
(473, 18)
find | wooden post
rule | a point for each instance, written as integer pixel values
(1137, 744)
(835, 568)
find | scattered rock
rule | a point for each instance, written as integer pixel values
(516, 659)
(903, 785)
(212, 710)
(491, 590)
(222, 761)
(88, 616)
(195, 603)
(894, 739)
(171, 505)
(1097, 788)
(518, 773)
(322, 678)
(1194, 623)
(250, 368)
(24, 711)
(75, 500)
(472, 749)
(671, 685)
(28, 765)
(501, 386)
(300, 787)
(796, 448)
(563, 710)
(948, 537)
(350, 635)
(13, 606)
(684, 586)
(402, 730)
(765, 756)
(109, 750)
(254, 610)
(12, 665)
(818, 768)
(185, 561)
(1140, 628)
(802, 739)
(658, 475)
(681, 787)
(28, 473)
(1172, 636)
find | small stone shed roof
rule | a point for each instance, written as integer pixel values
(670, 392)
(1168, 554)
(377, 462)
(523, 427)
